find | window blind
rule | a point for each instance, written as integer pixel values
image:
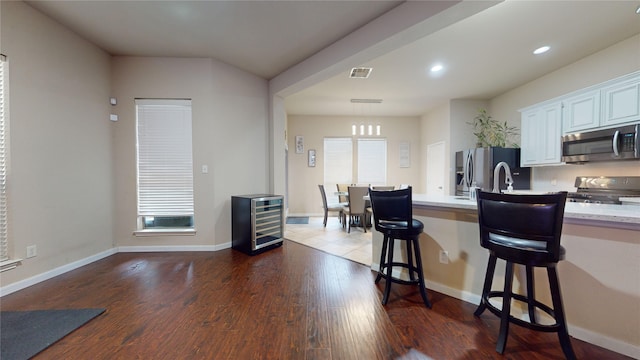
(164, 158)
(4, 246)
(372, 161)
(338, 164)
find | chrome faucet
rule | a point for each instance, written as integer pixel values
(496, 177)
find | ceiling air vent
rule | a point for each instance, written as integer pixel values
(360, 72)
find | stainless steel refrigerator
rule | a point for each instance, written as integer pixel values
(475, 167)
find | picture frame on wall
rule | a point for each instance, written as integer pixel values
(312, 158)
(404, 153)
(299, 144)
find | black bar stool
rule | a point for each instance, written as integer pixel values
(523, 229)
(393, 217)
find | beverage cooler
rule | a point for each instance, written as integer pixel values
(257, 222)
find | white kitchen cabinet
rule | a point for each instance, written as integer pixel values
(581, 112)
(604, 105)
(541, 131)
(621, 102)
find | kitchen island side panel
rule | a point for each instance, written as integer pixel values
(599, 279)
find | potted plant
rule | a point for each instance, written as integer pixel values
(491, 132)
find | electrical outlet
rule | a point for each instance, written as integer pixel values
(444, 257)
(32, 251)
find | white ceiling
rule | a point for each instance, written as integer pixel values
(484, 55)
(261, 37)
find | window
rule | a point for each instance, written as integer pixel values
(4, 241)
(165, 166)
(338, 164)
(372, 161)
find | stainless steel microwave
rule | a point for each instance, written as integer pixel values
(620, 143)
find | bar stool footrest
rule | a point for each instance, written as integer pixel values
(518, 297)
(383, 275)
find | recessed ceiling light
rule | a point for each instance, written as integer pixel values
(436, 68)
(638, 10)
(541, 50)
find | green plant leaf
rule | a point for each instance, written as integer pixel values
(490, 132)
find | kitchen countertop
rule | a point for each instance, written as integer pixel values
(616, 216)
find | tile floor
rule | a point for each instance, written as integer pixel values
(333, 239)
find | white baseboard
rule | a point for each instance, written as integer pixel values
(589, 336)
(443, 289)
(331, 214)
(22, 284)
(577, 332)
(465, 296)
(605, 341)
(172, 248)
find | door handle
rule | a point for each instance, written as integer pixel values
(615, 142)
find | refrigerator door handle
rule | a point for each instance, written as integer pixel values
(468, 174)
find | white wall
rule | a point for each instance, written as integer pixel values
(60, 193)
(407, 22)
(435, 128)
(73, 172)
(462, 113)
(230, 132)
(617, 60)
(600, 277)
(278, 147)
(449, 122)
(601, 266)
(304, 196)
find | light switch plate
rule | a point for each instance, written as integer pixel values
(32, 251)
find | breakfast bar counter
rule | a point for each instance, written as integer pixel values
(617, 216)
(600, 277)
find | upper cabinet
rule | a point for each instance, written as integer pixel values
(605, 105)
(581, 112)
(541, 133)
(621, 102)
(608, 104)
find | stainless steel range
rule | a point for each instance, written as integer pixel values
(604, 189)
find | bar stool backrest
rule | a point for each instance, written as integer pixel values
(391, 207)
(383, 188)
(525, 229)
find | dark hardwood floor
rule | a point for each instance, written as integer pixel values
(293, 302)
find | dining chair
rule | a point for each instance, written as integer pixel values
(355, 212)
(343, 188)
(329, 207)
